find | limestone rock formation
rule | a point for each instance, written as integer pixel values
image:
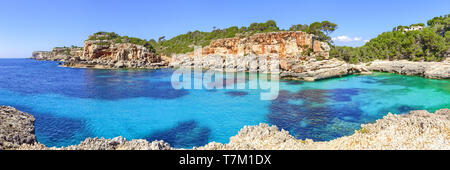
(294, 54)
(16, 128)
(118, 143)
(414, 131)
(312, 70)
(283, 44)
(58, 54)
(103, 54)
(437, 70)
(108, 54)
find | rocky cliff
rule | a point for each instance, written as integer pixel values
(58, 54)
(104, 53)
(294, 54)
(417, 130)
(108, 54)
(282, 44)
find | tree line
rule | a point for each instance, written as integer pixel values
(431, 43)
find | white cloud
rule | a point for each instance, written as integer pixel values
(347, 39)
(357, 39)
(366, 41)
(343, 38)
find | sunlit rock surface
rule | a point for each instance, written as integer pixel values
(103, 54)
(416, 130)
(437, 70)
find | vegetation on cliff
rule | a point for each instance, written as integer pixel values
(116, 38)
(185, 42)
(431, 43)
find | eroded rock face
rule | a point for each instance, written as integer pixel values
(295, 55)
(16, 128)
(283, 44)
(437, 70)
(107, 54)
(103, 54)
(312, 70)
(58, 54)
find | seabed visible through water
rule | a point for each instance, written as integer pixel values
(73, 104)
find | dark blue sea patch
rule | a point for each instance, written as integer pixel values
(311, 118)
(113, 85)
(312, 95)
(57, 129)
(236, 93)
(185, 135)
(343, 95)
(399, 109)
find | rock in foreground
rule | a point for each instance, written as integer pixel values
(16, 128)
(118, 143)
(414, 131)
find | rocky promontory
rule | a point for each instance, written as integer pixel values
(103, 51)
(413, 131)
(58, 54)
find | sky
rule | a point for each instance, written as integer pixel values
(34, 25)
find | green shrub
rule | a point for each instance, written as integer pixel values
(429, 44)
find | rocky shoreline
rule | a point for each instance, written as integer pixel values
(16, 128)
(292, 54)
(434, 70)
(416, 130)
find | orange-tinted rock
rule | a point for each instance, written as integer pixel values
(109, 51)
(283, 44)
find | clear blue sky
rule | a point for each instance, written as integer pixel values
(29, 25)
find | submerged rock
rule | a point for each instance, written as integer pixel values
(16, 128)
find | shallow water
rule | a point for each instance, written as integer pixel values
(73, 104)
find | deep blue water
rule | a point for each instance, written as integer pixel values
(73, 104)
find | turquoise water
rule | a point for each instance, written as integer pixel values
(73, 104)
